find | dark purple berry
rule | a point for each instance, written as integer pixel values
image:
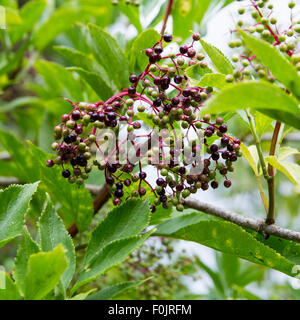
(168, 37)
(76, 115)
(160, 182)
(223, 128)
(214, 148)
(142, 175)
(227, 183)
(133, 78)
(117, 201)
(183, 49)
(127, 182)
(119, 185)
(119, 193)
(132, 90)
(156, 102)
(66, 173)
(214, 184)
(110, 180)
(158, 49)
(215, 156)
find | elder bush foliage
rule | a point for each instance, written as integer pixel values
(107, 135)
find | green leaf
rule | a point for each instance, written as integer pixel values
(10, 292)
(214, 80)
(14, 204)
(88, 63)
(110, 56)
(96, 82)
(26, 248)
(26, 172)
(144, 40)
(219, 60)
(289, 169)
(112, 255)
(18, 102)
(280, 67)
(262, 123)
(112, 291)
(60, 81)
(118, 225)
(196, 72)
(76, 202)
(231, 266)
(229, 238)
(61, 21)
(132, 12)
(44, 271)
(286, 152)
(251, 156)
(53, 233)
(30, 13)
(240, 96)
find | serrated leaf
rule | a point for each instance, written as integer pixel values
(96, 82)
(53, 233)
(251, 156)
(279, 66)
(76, 202)
(289, 169)
(240, 96)
(286, 152)
(14, 204)
(44, 271)
(60, 81)
(144, 40)
(132, 12)
(112, 291)
(61, 21)
(110, 56)
(26, 248)
(229, 238)
(113, 254)
(219, 60)
(214, 80)
(262, 123)
(196, 72)
(26, 172)
(30, 14)
(118, 225)
(10, 292)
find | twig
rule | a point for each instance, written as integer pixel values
(253, 224)
(271, 182)
(168, 11)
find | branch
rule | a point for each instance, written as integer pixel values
(168, 11)
(271, 183)
(253, 224)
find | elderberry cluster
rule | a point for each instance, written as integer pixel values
(263, 24)
(188, 150)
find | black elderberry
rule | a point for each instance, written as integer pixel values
(94, 116)
(74, 161)
(168, 37)
(142, 175)
(158, 49)
(225, 155)
(227, 183)
(132, 90)
(178, 79)
(111, 116)
(142, 191)
(186, 92)
(230, 147)
(208, 133)
(214, 184)
(156, 102)
(224, 141)
(175, 101)
(119, 185)
(179, 187)
(133, 78)
(214, 148)
(119, 193)
(77, 172)
(66, 173)
(81, 160)
(223, 128)
(127, 182)
(110, 180)
(163, 198)
(76, 115)
(215, 156)
(153, 209)
(160, 181)
(183, 49)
